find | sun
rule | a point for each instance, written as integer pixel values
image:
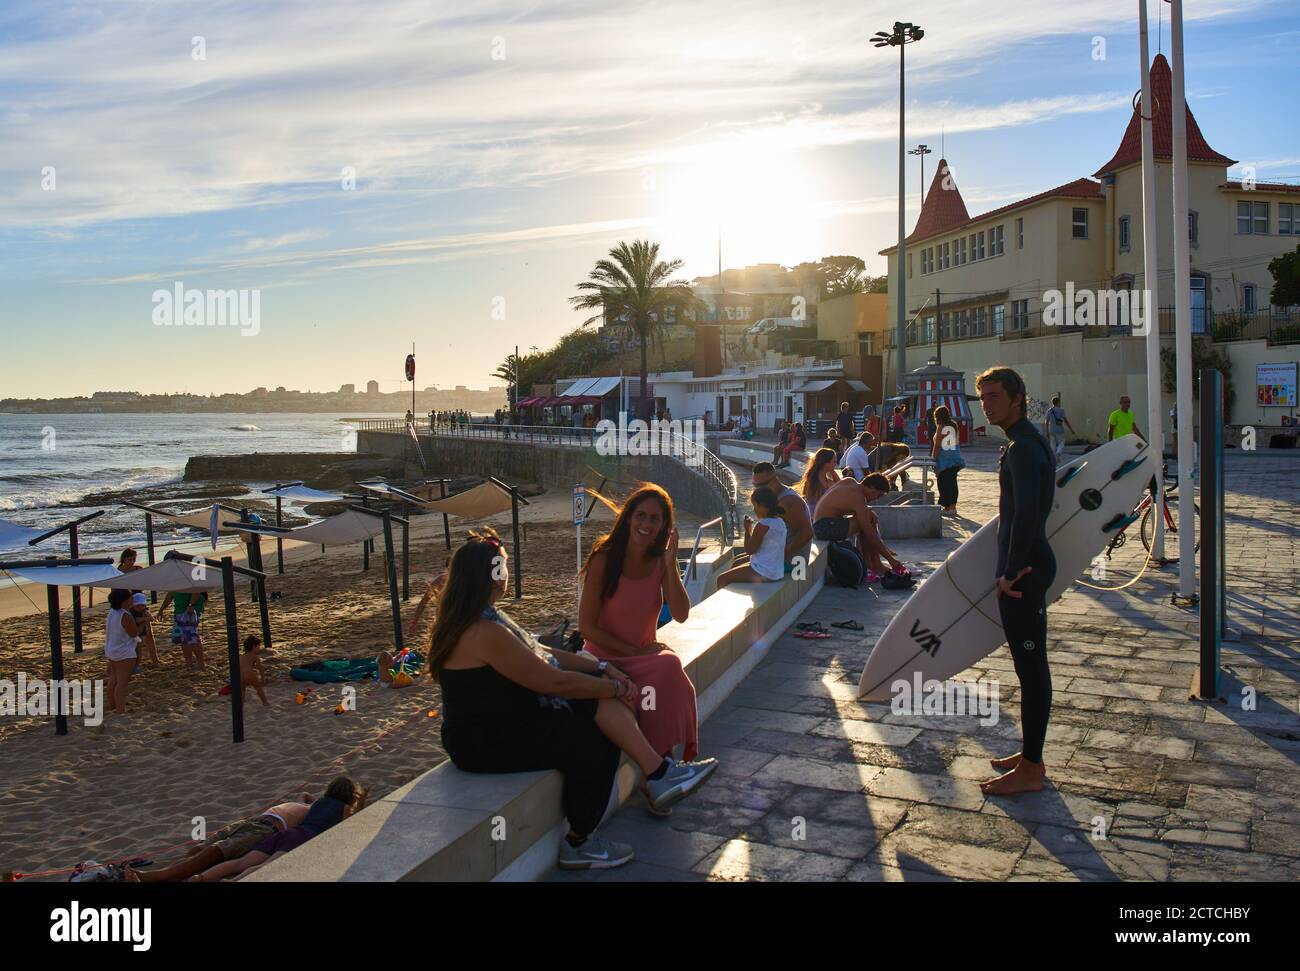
(754, 190)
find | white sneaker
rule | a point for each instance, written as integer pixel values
(595, 853)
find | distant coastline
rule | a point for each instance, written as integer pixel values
(260, 402)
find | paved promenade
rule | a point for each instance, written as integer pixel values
(1145, 784)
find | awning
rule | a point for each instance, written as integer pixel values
(602, 387)
(579, 387)
(526, 402)
(300, 493)
(172, 575)
(14, 536)
(487, 499)
(814, 387)
(348, 526)
(68, 576)
(199, 519)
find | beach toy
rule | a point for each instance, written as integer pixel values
(302, 696)
(401, 679)
(225, 690)
(339, 709)
(433, 712)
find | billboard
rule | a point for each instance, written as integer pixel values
(1275, 385)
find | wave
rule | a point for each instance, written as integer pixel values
(244, 428)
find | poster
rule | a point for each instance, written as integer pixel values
(1275, 385)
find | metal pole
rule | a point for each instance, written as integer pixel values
(264, 610)
(56, 657)
(232, 650)
(392, 580)
(902, 225)
(279, 522)
(1182, 314)
(1212, 579)
(446, 526)
(76, 596)
(938, 328)
(148, 538)
(406, 551)
(514, 513)
(1151, 290)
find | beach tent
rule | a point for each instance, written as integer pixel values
(177, 573)
(354, 524)
(13, 536)
(392, 492)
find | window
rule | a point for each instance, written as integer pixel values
(974, 251)
(1020, 315)
(945, 259)
(1288, 219)
(1252, 218)
(959, 252)
(963, 323)
(1193, 227)
(978, 254)
(909, 266)
(1080, 224)
(1020, 234)
(999, 319)
(927, 260)
(929, 331)
(945, 326)
(997, 237)
(1123, 234)
(1248, 298)
(979, 322)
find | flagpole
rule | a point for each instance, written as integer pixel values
(1151, 273)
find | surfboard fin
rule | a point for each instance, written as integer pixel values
(1127, 467)
(1060, 483)
(1120, 522)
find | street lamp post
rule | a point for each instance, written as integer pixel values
(902, 35)
(923, 151)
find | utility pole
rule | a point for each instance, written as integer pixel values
(923, 151)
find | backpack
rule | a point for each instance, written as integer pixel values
(844, 565)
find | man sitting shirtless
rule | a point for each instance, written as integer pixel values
(842, 512)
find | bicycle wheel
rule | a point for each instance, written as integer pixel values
(1171, 535)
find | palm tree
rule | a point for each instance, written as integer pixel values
(635, 285)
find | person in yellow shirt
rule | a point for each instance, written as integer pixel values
(1122, 421)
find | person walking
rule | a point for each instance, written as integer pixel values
(1122, 421)
(1054, 424)
(1026, 568)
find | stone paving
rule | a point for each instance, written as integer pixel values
(1145, 783)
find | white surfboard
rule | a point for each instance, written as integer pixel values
(952, 621)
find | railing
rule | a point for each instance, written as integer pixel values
(695, 550)
(667, 442)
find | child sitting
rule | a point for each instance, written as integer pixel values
(764, 542)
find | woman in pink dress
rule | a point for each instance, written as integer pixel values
(631, 572)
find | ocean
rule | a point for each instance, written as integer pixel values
(50, 464)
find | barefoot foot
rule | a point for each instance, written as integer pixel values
(1025, 777)
(1005, 764)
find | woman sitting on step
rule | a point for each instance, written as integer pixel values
(507, 710)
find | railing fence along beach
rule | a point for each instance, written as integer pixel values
(665, 439)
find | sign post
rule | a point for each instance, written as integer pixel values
(579, 504)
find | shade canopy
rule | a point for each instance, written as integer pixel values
(176, 574)
(300, 493)
(68, 576)
(348, 526)
(487, 499)
(14, 536)
(199, 519)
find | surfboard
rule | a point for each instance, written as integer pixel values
(951, 620)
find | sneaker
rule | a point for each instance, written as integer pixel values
(679, 781)
(650, 804)
(596, 853)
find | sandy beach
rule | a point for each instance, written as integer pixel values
(134, 786)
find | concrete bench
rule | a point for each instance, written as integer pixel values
(449, 825)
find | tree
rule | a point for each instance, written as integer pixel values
(635, 285)
(1286, 279)
(1204, 354)
(838, 275)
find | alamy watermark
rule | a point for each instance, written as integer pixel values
(208, 308)
(39, 698)
(681, 439)
(951, 698)
(1088, 308)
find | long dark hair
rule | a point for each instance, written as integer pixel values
(467, 592)
(615, 542)
(810, 485)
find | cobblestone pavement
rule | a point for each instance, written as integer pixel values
(1145, 783)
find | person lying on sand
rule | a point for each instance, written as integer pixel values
(389, 674)
(228, 843)
(343, 798)
(250, 668)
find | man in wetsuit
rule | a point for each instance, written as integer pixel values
(1026, 569)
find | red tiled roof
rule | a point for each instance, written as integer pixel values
(1162, 127)
(1261, 186)
(1078, 189)
(944, 207)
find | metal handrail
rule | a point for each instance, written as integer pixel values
(715, 521)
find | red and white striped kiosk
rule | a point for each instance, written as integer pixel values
(933, 385)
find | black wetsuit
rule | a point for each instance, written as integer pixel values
(1026, 475)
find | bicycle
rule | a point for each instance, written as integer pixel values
(1145, 510)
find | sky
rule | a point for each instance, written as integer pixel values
(392, 172)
